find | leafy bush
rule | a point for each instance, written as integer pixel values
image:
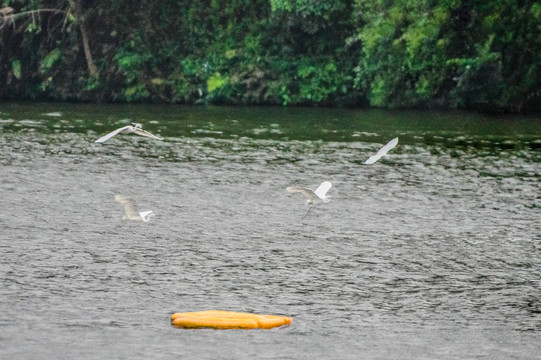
(418, 53)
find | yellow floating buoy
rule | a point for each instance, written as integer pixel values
(217, 319)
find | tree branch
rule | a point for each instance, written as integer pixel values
(9, 16)
(77, 12)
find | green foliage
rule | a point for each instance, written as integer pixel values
(305, 7)
(424, 53)
(479, 79)
(416, 53)
(317, 82)
(16, 68)
(50, 59)
(216, 81)
(403, 52)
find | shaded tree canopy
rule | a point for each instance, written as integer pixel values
(415, 53)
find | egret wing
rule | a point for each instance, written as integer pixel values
(391, 144)
(147, 134)
(310, 195)
(322, 189)
(146, 215)
(111, 134)
(129, 205)
(122, 198)
(372, 159)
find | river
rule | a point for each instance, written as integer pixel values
(433, 252)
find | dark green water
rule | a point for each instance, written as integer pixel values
(280, 123)
(432, 252)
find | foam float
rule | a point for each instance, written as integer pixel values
(217, 319)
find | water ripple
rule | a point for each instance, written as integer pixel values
(439, 239)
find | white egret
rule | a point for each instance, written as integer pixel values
(132, 212)
(313, 198)
(133, 128)
(384, 150)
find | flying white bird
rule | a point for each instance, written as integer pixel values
(132, 212)
(133, 128)
(313, 198)
(384, 150)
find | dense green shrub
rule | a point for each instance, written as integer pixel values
(415, 53)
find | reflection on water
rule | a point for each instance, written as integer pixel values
(432, 252)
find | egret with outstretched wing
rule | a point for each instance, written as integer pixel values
(313, 198)
(132, 212)
(129, 129)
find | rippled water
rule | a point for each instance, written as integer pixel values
(431, 253)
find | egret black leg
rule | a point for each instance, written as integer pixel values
(308, 212)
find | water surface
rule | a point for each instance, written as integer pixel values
(432, 252)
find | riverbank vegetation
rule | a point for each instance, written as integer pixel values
(415, 53)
